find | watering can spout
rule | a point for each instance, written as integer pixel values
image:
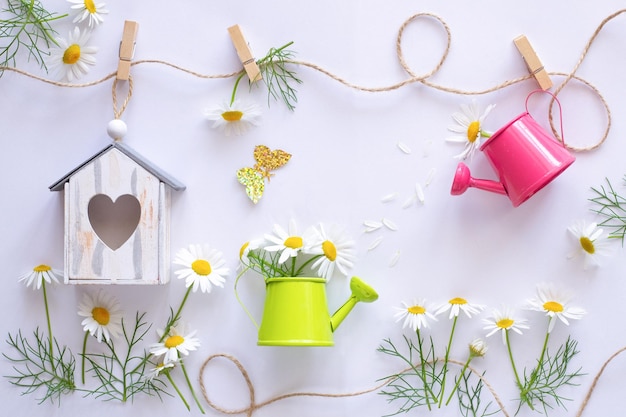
(463, 180)
(360, 292)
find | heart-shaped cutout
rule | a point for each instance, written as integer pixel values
(114, 222)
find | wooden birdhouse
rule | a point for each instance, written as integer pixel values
(117, 210)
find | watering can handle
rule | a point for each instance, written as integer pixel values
(557, 102)
(241, 302)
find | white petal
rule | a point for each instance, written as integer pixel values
(404, 148)
(389, 224)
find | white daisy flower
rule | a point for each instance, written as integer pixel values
(469, 128)
(336, 250)
(236, 118)
(88, 10)
(555, 304)
(591, 243)
(103, 316)
(288, 242)
(203, 267)
(160, 368)
(458, 304)
(72, 57)
(504, 320)
(176, 342)
(245, 249)
(38, 275)
(415, 315)
(478, 348)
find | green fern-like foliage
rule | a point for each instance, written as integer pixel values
(37, 369)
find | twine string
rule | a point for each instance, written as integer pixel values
(583, 405)
(413, 77)
(254, 406)
(117, 112)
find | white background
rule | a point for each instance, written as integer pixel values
(345, 159)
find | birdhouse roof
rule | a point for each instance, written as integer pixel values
(132, 154)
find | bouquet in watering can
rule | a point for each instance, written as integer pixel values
(320, 250)
(296, 268)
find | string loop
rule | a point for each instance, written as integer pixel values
(412, 79)
(118, 112)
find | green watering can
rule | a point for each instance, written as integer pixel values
(296, 311)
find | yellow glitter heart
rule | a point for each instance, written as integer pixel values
(268, 160)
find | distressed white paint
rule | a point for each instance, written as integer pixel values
(143, 257)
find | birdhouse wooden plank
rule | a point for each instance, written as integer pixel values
(117, 219)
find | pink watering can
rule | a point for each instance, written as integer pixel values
(525, 157)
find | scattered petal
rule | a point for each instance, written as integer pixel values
(431, 175)
(395, 259)
(389, 197)
(375, 243)
(409, 202)
(371, 225)
(419, 192)
(404, 148)
(389, 224)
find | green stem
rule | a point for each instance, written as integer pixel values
(484, 134)
(458, 381)
(232, 96)
(193, 392)
(535, 371)
(83, 359)
(180, 394)
(271, 54)
(423, 368)
(293, 266)
(167, 327)
(45, 302)
(508, 346)
(445, 361)
(239, 299)
(176, 316)
(306, 263)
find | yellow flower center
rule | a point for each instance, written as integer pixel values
(505, 323)
(293, 242)
(101, 315)
(416, 310)
(473, 130)
(553, 306)
(71, 54)
(587, 245)
(458, 301)
(232, 115)
(42, 268)
(173, 341)
(243, 249)
(201, 267)
(329, 250)
(90, 6)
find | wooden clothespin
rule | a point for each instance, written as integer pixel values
(245, 54)
(127, 49)
(533, 62)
